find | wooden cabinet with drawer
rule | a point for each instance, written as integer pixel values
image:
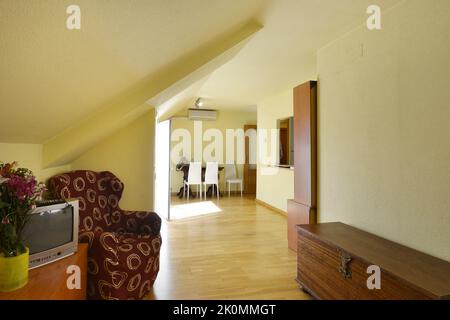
(333, 261)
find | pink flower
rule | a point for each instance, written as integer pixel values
(5, 220)
(22, 187)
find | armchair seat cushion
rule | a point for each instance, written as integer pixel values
(121, 266)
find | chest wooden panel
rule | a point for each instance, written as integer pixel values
(333, 261)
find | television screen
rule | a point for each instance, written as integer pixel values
(49, 229)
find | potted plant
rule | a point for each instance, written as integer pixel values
(18, 193)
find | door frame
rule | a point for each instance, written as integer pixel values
(168, 166)
(247, 160)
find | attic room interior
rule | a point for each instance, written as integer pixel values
(259, 150)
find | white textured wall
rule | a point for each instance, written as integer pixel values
(278, 188)
(384, 127)
(129, 154)
(29, 156)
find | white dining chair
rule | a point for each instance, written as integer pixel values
(231, 177)
(194, 178)
(212, 177)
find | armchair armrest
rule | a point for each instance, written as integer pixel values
(140, 222)
(101, 243)
(114, 259)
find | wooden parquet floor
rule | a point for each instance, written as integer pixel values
(239, 252)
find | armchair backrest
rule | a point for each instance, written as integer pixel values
(98, 193)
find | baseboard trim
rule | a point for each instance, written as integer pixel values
(268, 206)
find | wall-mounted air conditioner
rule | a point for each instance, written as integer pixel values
(202, 114)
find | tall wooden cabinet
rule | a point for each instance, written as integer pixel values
(303, 208)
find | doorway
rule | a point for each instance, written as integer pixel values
(250, 171)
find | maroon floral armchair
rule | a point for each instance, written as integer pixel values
(123, 256)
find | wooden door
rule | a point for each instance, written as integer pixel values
(249, 169)
(284, 157)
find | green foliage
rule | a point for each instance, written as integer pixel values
(18, 193)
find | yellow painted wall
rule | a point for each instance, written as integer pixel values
(384, 128)
(29, 156)
(128, 153)
(227, 119)
(278, 188)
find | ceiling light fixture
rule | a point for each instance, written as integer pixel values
(199, 103)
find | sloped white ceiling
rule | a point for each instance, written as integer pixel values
(283, 54)
(51, 77)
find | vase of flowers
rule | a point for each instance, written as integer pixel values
(18, 193)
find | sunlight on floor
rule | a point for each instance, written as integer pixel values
(189, 210)
(240, 252)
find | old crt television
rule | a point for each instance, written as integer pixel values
(52, 231)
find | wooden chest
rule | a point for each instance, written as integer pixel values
(333, 261)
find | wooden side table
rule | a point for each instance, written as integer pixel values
(49, 282)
